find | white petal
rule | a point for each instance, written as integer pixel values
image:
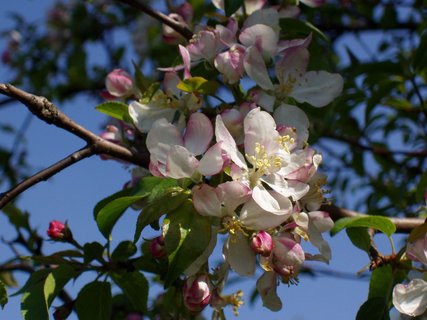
(266, 286)
(269, 17)
(233, 194)
(259, 128)
(198, 134)
(317, 88)
(411, 299)
(261, 36)
(212, 161)
(287, 188)
(293, 64)
(239, 255)
(228, 144)
(144, 115)
(180, 163)
(292, 116)
(256, 69)
(206, 201)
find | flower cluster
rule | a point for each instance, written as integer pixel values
(247, 163)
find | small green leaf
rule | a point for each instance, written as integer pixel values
(56, 281)
(110, 213)
(124, 251)
(93, 251)
(16, 216)
(198, 85)
(360, 238)
(381, 282)
(231, 6)
(117, 110)
(374, 309)
(3, 295)
(35, 278)
(94, 301)
(187, 236)
(420, 57)
(135, 287)
(33, 305)
(162, 204)
(380, 223)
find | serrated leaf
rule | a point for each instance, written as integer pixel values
(124, 251)
(187, 236)
(114, 109)
(3, 295)
(92, 251)
(374, 309)
(231, 6)
(379, 223)
(360, 238)
(56, 281)
(198, 85)
(135, 287)
(94, 301)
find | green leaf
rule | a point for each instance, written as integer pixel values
(382, 224)
(231, 6)
(115, 109)
(135, 287)
(57, 257)
(198, 85)
(187, 236)
(381, 283)
(3, 295)
(360, 238)
(302, 27)
(101, 204)
(56, 281)
(94, 301)
(110, 213)
(163, 203)
(92, 251)
(421, 188)
(16, 216)
(124, 251)
(33, 304)
(374, 309)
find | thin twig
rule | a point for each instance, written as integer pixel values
(183, 30)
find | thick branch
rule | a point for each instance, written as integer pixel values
(46, 111)
(184, 31)
(403, 225)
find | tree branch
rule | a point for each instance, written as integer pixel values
(49, 113)
(184, 31)
(403, 225)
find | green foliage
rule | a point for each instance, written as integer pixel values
(124, 251)
(360, 237)
(114, 109)
(94, 301)
(231, 6)
(379, 223)
(92, 251)
(56, 280)
(135, 287)
(374, 309)
(198, 85)
(186, 237)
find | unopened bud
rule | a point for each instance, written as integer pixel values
(197, 293)
(262, 243)
(119, 83)
(59, 231)
(157, 247)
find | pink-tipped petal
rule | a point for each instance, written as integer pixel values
(180, 163)
(256, 69)
(198, 134)
(206, 201)
(212, 161)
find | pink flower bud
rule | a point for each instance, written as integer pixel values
(288, 256)
(197, 293)
(112, 134)
(119, 83)
(59, 231)
(262, 243)
(157, 247)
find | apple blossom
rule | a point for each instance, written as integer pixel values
(59, 231)
(262, 243)
(119, 83)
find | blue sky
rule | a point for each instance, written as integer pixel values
(72, 194)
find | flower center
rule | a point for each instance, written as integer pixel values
(285, 88)
(233, 225)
